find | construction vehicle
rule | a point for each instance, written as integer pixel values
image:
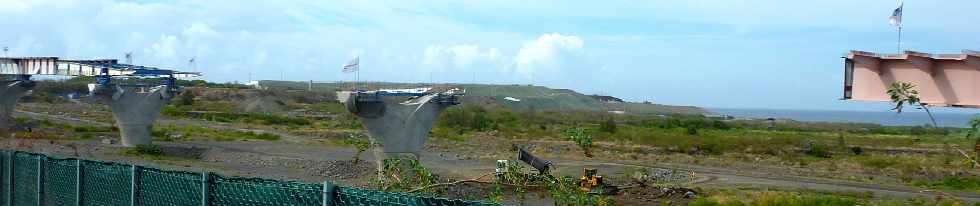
(591, 181)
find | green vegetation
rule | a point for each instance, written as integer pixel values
(904, 93)
(186, 98)
(250, 118)
(819, 150)
(879, 162)
(360, 143)
(405, 175)
(782, 200)
(167, 133)
(868, 149)
(581, 138)
(953, 183)
(681, 133)
(144, 149)
(727, 197)
(563, 189)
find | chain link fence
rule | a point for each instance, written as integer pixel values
(31, 179)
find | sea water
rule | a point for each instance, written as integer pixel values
(911, 117)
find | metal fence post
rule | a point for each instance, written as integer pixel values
(8, 181)
(328, 191)
(133, 181)
(204, 188)
(40, 179)
(78, 182)
(10, 178)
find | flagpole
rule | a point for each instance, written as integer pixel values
(899, 38)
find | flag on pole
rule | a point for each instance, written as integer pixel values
(896, 18)
(352, 66)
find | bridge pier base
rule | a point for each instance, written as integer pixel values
(135, 112)
(10, 92)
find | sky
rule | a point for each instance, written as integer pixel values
(708, 53)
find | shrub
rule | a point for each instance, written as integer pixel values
(692, 130)
(819, 150)
(720, 125)
(857, 150)
(145, 149)
(608, 126)
(186, 98)
(581, 138)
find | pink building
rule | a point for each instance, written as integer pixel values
(940, 79)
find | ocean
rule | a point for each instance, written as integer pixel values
(890, 118)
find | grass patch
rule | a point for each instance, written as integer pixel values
(144, 149)
(738, 197)
(878, 162)
(195, 132)
(449, 133)
(221, 115)
(953, 183)
(820, 150)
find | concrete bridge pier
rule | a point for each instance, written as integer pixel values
(399, 127)
(10, 92)
(135, 111)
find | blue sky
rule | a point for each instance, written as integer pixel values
(732, 54)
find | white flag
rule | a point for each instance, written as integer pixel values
(352, 66)
(896, 18)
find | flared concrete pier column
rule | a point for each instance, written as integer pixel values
(10, 92)
(135, 111)
(400, 128)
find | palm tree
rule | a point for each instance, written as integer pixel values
(903, 93)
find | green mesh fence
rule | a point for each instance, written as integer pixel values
(106, 183)
(161, 187)
(358, 197)
(25, 179)
(59, 181)
(255, 191)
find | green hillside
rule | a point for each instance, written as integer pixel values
(531, 97)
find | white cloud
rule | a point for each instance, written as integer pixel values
(200, 30)
(459, 57)
(165, 48)
(549, 55)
